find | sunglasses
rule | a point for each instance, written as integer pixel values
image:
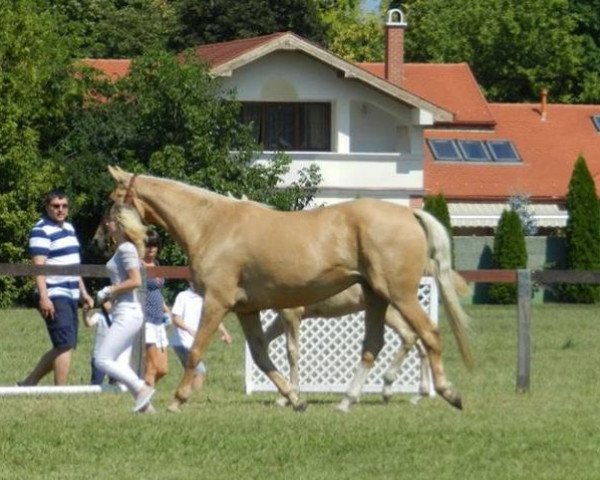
(58, 206)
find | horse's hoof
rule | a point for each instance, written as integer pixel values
(344, 405)
(453, 398)
(282, 402)
(300, 407)
(174, 407)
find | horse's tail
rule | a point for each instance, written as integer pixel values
(450, 282)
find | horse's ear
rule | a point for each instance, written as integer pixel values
(118, 174)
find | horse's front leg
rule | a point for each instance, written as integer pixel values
(291, 318)
(212, 316)
(259, 349)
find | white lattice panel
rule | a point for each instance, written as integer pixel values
(330, 350)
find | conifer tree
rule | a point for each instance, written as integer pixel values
(583, 233)
(438, 207)
(510, 252)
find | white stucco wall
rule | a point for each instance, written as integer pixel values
(376, 140)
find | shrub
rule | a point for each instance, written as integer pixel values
(510, 252)
(438, 207)
(582, 233)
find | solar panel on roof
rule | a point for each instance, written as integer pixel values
(503, 151)
(596, 120)
(474, 150)
(444, 149)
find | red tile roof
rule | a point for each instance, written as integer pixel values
(218, 53)
(113, 68)
(548, 150)
(452, 86)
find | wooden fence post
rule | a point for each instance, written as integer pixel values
(523, 330)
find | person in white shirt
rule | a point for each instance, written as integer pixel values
(102, 320)
(186, 315)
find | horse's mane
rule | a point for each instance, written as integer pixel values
(207, 193)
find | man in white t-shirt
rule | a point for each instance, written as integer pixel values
(187, 317)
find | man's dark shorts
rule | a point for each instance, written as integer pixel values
(63, 327)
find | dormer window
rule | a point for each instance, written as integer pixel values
(596, 120)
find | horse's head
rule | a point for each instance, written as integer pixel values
(125, 193)
(102, 240)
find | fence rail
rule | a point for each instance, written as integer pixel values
(523, 278)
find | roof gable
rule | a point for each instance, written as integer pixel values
(225, 57)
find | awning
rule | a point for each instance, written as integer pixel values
(482, 214)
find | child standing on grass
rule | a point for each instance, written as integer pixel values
(102, 320)
(186, 316)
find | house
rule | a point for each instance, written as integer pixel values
(400, 131)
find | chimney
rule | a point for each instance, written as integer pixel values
(394, 46)
(543, 104)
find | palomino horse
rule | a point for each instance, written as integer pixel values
(247, 257)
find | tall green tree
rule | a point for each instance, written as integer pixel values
(514, 47)
(583, 232)
(588, 15)
(170, 118)
(202, 21)
(350, 32)
(437, 205)
(510, 252)
(38, 92)
(116, 28)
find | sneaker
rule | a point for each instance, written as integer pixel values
(148, 409)
(142, 399)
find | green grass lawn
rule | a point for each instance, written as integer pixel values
(552, 432)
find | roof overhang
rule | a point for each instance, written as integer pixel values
(480, 214)
(292, 42)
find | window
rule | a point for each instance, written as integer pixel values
(444, 149)
(474, 150)
(490, 151)
(503, 151)
(596, 120)
(290, 126)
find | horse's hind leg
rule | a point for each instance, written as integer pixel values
(372, 345)
(259, 349)
(288, 321)
(408, 337)
(413, 312)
